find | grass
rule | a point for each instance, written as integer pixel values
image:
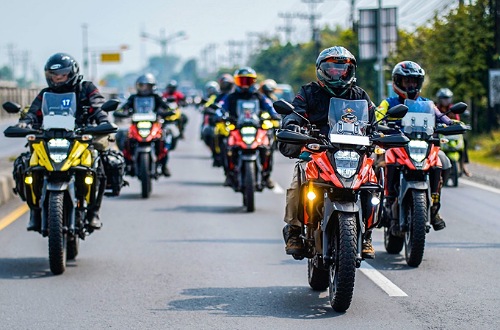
(485, 149)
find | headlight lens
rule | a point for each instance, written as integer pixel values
(346, 162)
(58, 149)
(418, 150)
(248, 134)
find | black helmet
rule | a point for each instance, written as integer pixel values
(226, 83)
(245, 78)
(145, 84)
(336, 70)
(444, 93)
(408, 72)
(62, 64)
(172, 86)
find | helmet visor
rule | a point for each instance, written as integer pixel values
(337, 71)
(244, 81)
(144, 88)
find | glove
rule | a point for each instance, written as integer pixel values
(22, 124)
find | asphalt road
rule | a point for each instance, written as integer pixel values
(191, 258)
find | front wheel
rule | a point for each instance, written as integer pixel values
(343, 269)
(415, 236)
(57, 237)
(145, 174)
(249, 186)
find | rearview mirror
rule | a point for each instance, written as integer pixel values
(283, 107)
(398, 111)
(110, 105)
(11, 107)
(458, 108)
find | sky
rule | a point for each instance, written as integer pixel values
(34, 29)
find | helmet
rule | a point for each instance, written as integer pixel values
(444, 93)
(62, 72)
(226, 83)
(145, 84)
(245, 78)
(212, 88)
(268, 86)
(172, 86)
(336, 70)
(407, 72)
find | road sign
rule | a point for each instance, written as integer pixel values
(110, 57)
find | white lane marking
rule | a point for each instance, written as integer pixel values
(277, 189)
(383, 282)
(480, 186)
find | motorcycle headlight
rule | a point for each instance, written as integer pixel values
(248, 134)
(346, 162)
(144, 128)
(58, 149)
(418, 150)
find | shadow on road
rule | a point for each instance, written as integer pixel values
(280, 301)
(24, 268)
(203, 209)
(225, 241)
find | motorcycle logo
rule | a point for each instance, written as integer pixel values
(349, 116)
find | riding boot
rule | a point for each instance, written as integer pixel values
(267, 181)
(368, 252)
(294, 244)
(35, 221)
(94, 220)
(436, 221)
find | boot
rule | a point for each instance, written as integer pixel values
(35, 221)
(268, 182)
(165, 170)
(436, 221)
(294, 244)
(368, 252)
(94, 221)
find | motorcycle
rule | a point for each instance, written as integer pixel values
(61, 176)
(145, 148)
(413, 204)
(248, 150)
(173, 124)
(453, 146)
(340, 193)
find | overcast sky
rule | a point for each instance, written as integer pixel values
(41, 28)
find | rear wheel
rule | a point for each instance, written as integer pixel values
(249, 186)
(72, 247)
(317, 276)
(454, 173)
(393, 244)
(343, 270)
(415, 236)
(57, 237)
(145, 174)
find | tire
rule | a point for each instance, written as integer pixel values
(317, 276)
(72, 248)
(393, 244)
(415, 236)
(57, 239)
(343, 271)
(454, 173)
(145, 175)
(249, 186)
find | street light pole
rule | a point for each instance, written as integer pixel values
(85, 43)
(163, 40)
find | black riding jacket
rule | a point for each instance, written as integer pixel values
(313, 102)
(87, 94)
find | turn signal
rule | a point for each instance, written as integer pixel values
(28, 179)
(379, 151)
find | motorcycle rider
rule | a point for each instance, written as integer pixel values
(146, 86)
(335, 72)
(62, 74)
(444, 103)
(172, 93)
(245, 79)
(268, 87)
(407, 79)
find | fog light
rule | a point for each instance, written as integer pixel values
(375, 200)
(311, 195)
(89, 180)
(28, 179)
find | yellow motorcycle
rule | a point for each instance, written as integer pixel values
(173, 124)
(61, 177)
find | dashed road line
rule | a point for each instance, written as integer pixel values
(277, 189)
(383, 282)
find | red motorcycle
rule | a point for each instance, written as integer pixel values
(340, 193)
(249, 154)
(144, 149)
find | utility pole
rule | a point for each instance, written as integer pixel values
(351, 14)
(288, 28)
(163, 40)
(380, 56)
(312, 17)
(85, 47)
